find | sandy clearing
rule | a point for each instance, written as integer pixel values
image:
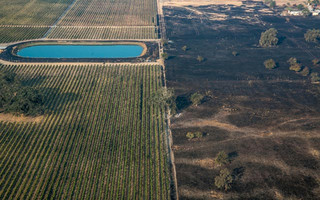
(20, 119)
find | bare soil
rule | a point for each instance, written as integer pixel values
(268, 121)
(19, 119)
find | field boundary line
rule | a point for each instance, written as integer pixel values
(60, 18)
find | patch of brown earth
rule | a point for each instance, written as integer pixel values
(19, 119)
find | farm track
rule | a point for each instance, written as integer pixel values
(102, 137)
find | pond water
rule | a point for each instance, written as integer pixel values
(81, 51)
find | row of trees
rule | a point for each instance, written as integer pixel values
(18, 99)
(269, 38)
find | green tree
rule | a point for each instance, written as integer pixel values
(270, 64)
(269, 38)
(224, 180)
(198, 134)
(190, 135)
(196, 98)
(312, 35)
(222, 158)
(19, 99)
(200, 59)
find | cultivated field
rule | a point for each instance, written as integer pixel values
(111, 32)
(11, 34)
(101, 137)
(31, 12)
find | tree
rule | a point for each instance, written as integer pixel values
(196, 98)
(312, 35)
(164, 42)
(300, 7)
(19, 99)
(224, 180)
(165, 56)
(315, 77)
(296, 67)
(184, 48)
(200, 59)
(269, 38)
(222, 158)
(292, 61)
(198, 134)
(305, 71)
(270, 64)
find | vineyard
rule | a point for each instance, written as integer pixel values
(101, 136)
(97, 33)
(31, 12)
(111, 13)
(12, 34)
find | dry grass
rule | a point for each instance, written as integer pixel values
(20, 119)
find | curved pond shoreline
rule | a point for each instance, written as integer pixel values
(150, 52)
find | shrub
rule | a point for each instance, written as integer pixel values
(222, 158)
(200, 59)
(315, 77)
(270, 64)
(224, 180)
(292, 61)
(296, 67)
(269, 38)
(184, 48)
(190, 135)
(312, 35)
(234, 53)
(165, 56)
(316, 61)
(305, 71)
(196, 98)
(198, 134)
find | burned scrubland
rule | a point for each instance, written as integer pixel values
(267, 120)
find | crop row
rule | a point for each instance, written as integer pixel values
(12, 34)
(101, 137)
(111, 13)
(35, 12)
(103, 33)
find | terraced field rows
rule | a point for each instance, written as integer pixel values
(111, 13)
(104, 33)
(102, 137)
(12, 34)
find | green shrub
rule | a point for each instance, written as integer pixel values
(305, 71)
(224, 180)
(292, 61)
(296, 67)
(165, 56)
(270, 64)
(200, 59)
(190, 135)
(222, 158)
(198, 134)
(184, 48)
(196, 98)
(315, 78)
(316, 61)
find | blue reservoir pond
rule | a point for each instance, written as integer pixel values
(81, 51)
